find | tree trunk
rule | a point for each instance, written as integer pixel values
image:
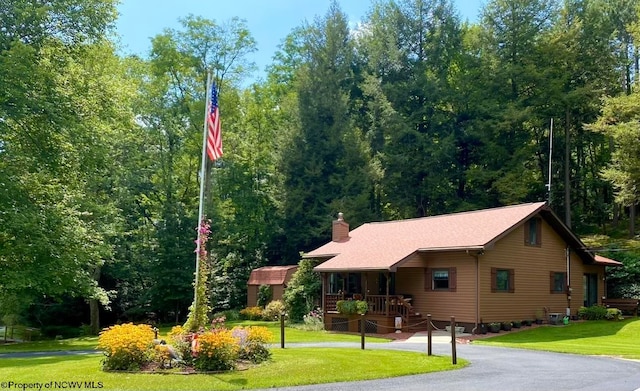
(616, 215)
(94, 308)
(632, 220)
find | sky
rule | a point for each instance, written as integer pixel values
(269, 21)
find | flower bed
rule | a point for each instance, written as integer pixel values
(130, 347)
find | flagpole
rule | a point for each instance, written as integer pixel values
(550, 157)
(203, 165)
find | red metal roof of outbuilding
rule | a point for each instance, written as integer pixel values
(270, 275)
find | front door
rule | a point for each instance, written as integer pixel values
(590, 286)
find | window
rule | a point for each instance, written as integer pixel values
(533, 232)
(558, 282)
(502, 280)
(440, 279)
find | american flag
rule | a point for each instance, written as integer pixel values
(214, 138)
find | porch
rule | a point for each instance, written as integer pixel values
(385, 314)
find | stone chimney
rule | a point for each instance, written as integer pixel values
(340, 231)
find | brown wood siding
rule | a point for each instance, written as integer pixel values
(532, 266)
(278, 291)
(441, 304)
(414, 260)
(252, 295)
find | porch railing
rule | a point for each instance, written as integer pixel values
(392, 305)
(330, 300)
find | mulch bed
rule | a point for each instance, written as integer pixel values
(177, 369)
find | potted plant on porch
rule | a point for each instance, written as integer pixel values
(352, 307)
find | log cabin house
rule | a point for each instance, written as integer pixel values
(493, 265)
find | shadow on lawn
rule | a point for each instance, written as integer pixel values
(574, 330)
(31, 361)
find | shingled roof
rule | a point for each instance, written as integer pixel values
(385, 245)
(269, 275)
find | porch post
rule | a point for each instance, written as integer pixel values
(365, 288)
(324, 293)
(386, 302)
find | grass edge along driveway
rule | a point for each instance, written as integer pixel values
(288, 367)
(598, 337)
(292, 335)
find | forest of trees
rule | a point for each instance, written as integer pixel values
(413, 113)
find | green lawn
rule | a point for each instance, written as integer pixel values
(608, 338)
(288, 367)
(292, 335)
(296, 335)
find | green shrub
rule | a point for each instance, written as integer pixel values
(265, 294)
(352, 307)
(614, 314)
(229, 315)
(251, 313)
(314, 320)
(303, 291)
(296, 303)
(595, 312)
(64, 331)
(273, 310)
(181, 339)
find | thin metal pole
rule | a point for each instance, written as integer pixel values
(282, 331)
(550, 157)
(429, 336)
(454, 358)
(203, 170)
(362, 321)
